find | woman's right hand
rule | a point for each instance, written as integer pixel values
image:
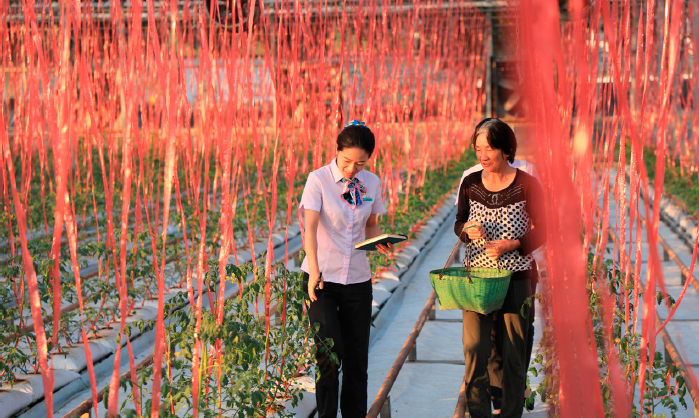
(314, 279)
(474, 230)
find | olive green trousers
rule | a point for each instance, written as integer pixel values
(513, 329)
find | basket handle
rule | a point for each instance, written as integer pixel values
(468, 261)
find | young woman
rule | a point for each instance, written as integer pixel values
(342, 202)
(503, 208)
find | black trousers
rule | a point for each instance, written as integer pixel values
(344, 315)
(495, 360)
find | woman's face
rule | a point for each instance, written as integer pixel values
(492, 160)
(351, 161)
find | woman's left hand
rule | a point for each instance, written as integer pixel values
(385, 248)
(495, 249)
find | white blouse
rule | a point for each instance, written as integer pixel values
(340, 226)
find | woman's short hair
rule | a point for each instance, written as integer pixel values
(499, 134)
(356, 136)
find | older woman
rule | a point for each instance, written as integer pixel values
(501, 218)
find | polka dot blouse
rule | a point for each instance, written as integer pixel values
(516, 212)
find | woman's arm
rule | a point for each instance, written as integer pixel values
(374, 230)
(312, 203)
(536, 237)
(311, 237)
(372, 227)
(474, 230)
(462, 211)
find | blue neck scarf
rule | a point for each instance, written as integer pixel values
(352, 192)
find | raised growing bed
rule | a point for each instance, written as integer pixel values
(672, 213)
(70, 369)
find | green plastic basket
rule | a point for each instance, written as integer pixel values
(476, 289)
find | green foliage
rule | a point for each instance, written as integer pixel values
(18, 348)
(612, 333)
(679, 184)
(251, 381)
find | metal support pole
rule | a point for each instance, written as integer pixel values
(461, 407)
(666, 256)
(412, 355)
(683, 280)
(386, 409)
(667, 355)
(433, 312)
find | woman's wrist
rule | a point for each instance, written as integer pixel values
(372, 231)
(515, 244)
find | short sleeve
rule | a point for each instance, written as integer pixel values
(532, 170)
(312, 197)
(468, 172)
(378, 206)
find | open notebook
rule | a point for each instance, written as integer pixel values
(370, 244)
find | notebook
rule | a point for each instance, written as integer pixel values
(370, 244)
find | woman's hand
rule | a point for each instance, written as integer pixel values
(495, 249)
(385, 249)
(311, 247)
(474, 230)
(315, 279)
